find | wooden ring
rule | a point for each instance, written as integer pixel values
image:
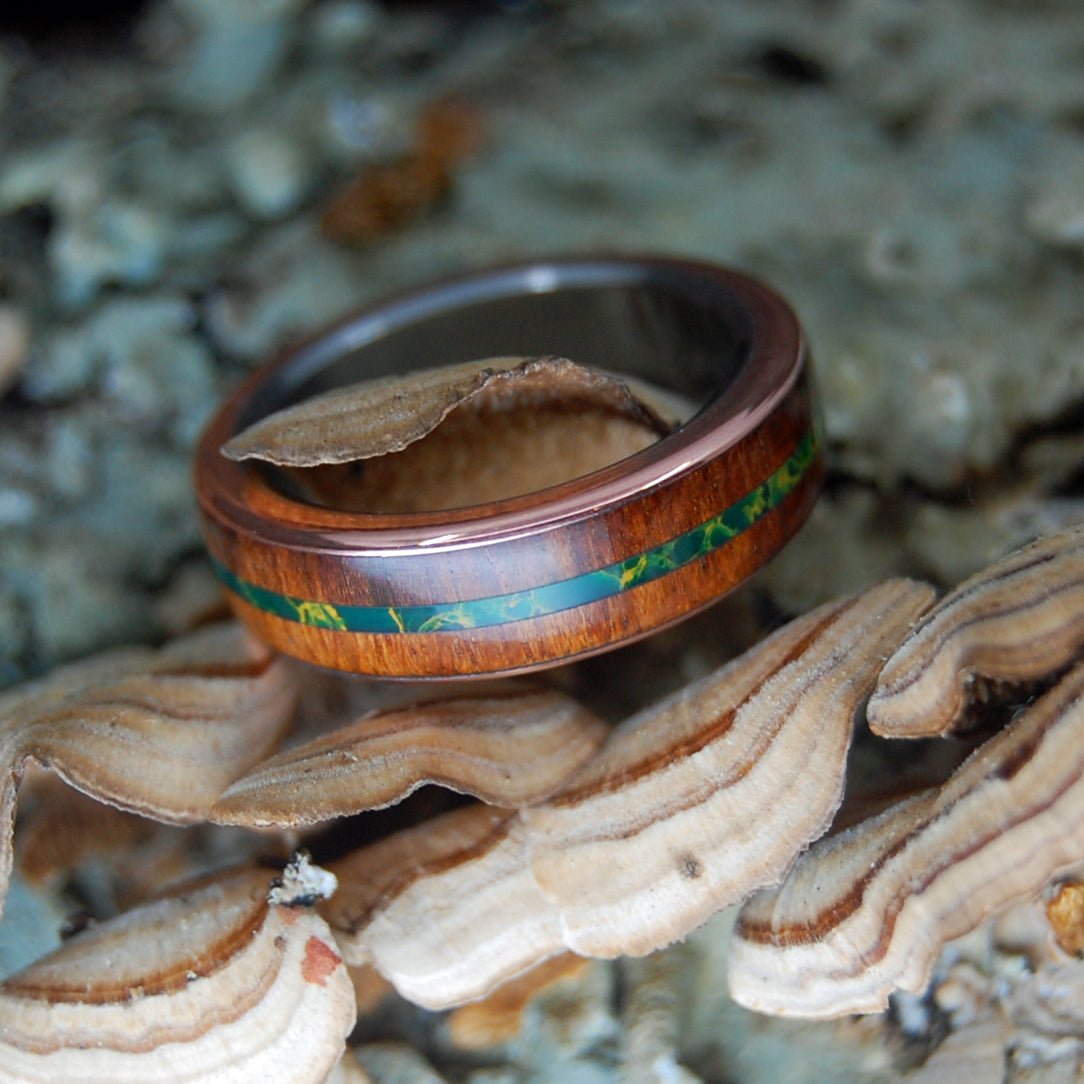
(567, 571)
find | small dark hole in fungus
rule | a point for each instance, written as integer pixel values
(689, 866)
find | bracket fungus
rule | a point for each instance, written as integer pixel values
(506, 749)
(1017, 622)
(216, 985)
(158, 733)
(584, 839)
(864, 913)
(690, 806)
(387, 414)
(464, 434)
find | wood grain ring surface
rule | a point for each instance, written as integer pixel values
(554, 575)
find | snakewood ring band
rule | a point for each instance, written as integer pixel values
(560, 573)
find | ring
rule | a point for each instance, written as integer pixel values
(551, 576)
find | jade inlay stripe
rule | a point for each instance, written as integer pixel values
(549, 598)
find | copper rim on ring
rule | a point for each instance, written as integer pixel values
(555, 575)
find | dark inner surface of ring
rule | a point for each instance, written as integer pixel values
(675, 329)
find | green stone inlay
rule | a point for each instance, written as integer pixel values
(321, 614)
(549, 598)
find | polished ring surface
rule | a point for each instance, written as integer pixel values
(554, 575)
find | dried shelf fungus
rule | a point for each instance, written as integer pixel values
(1014, 624)
(463, 434)
(386, 415)
(690, 806)
(587, 839)
(865, 912)
(506, 749)
(224, 983)
(158, 733)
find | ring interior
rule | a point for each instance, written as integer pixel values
(679, 329)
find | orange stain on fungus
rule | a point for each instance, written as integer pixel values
(320, 960)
